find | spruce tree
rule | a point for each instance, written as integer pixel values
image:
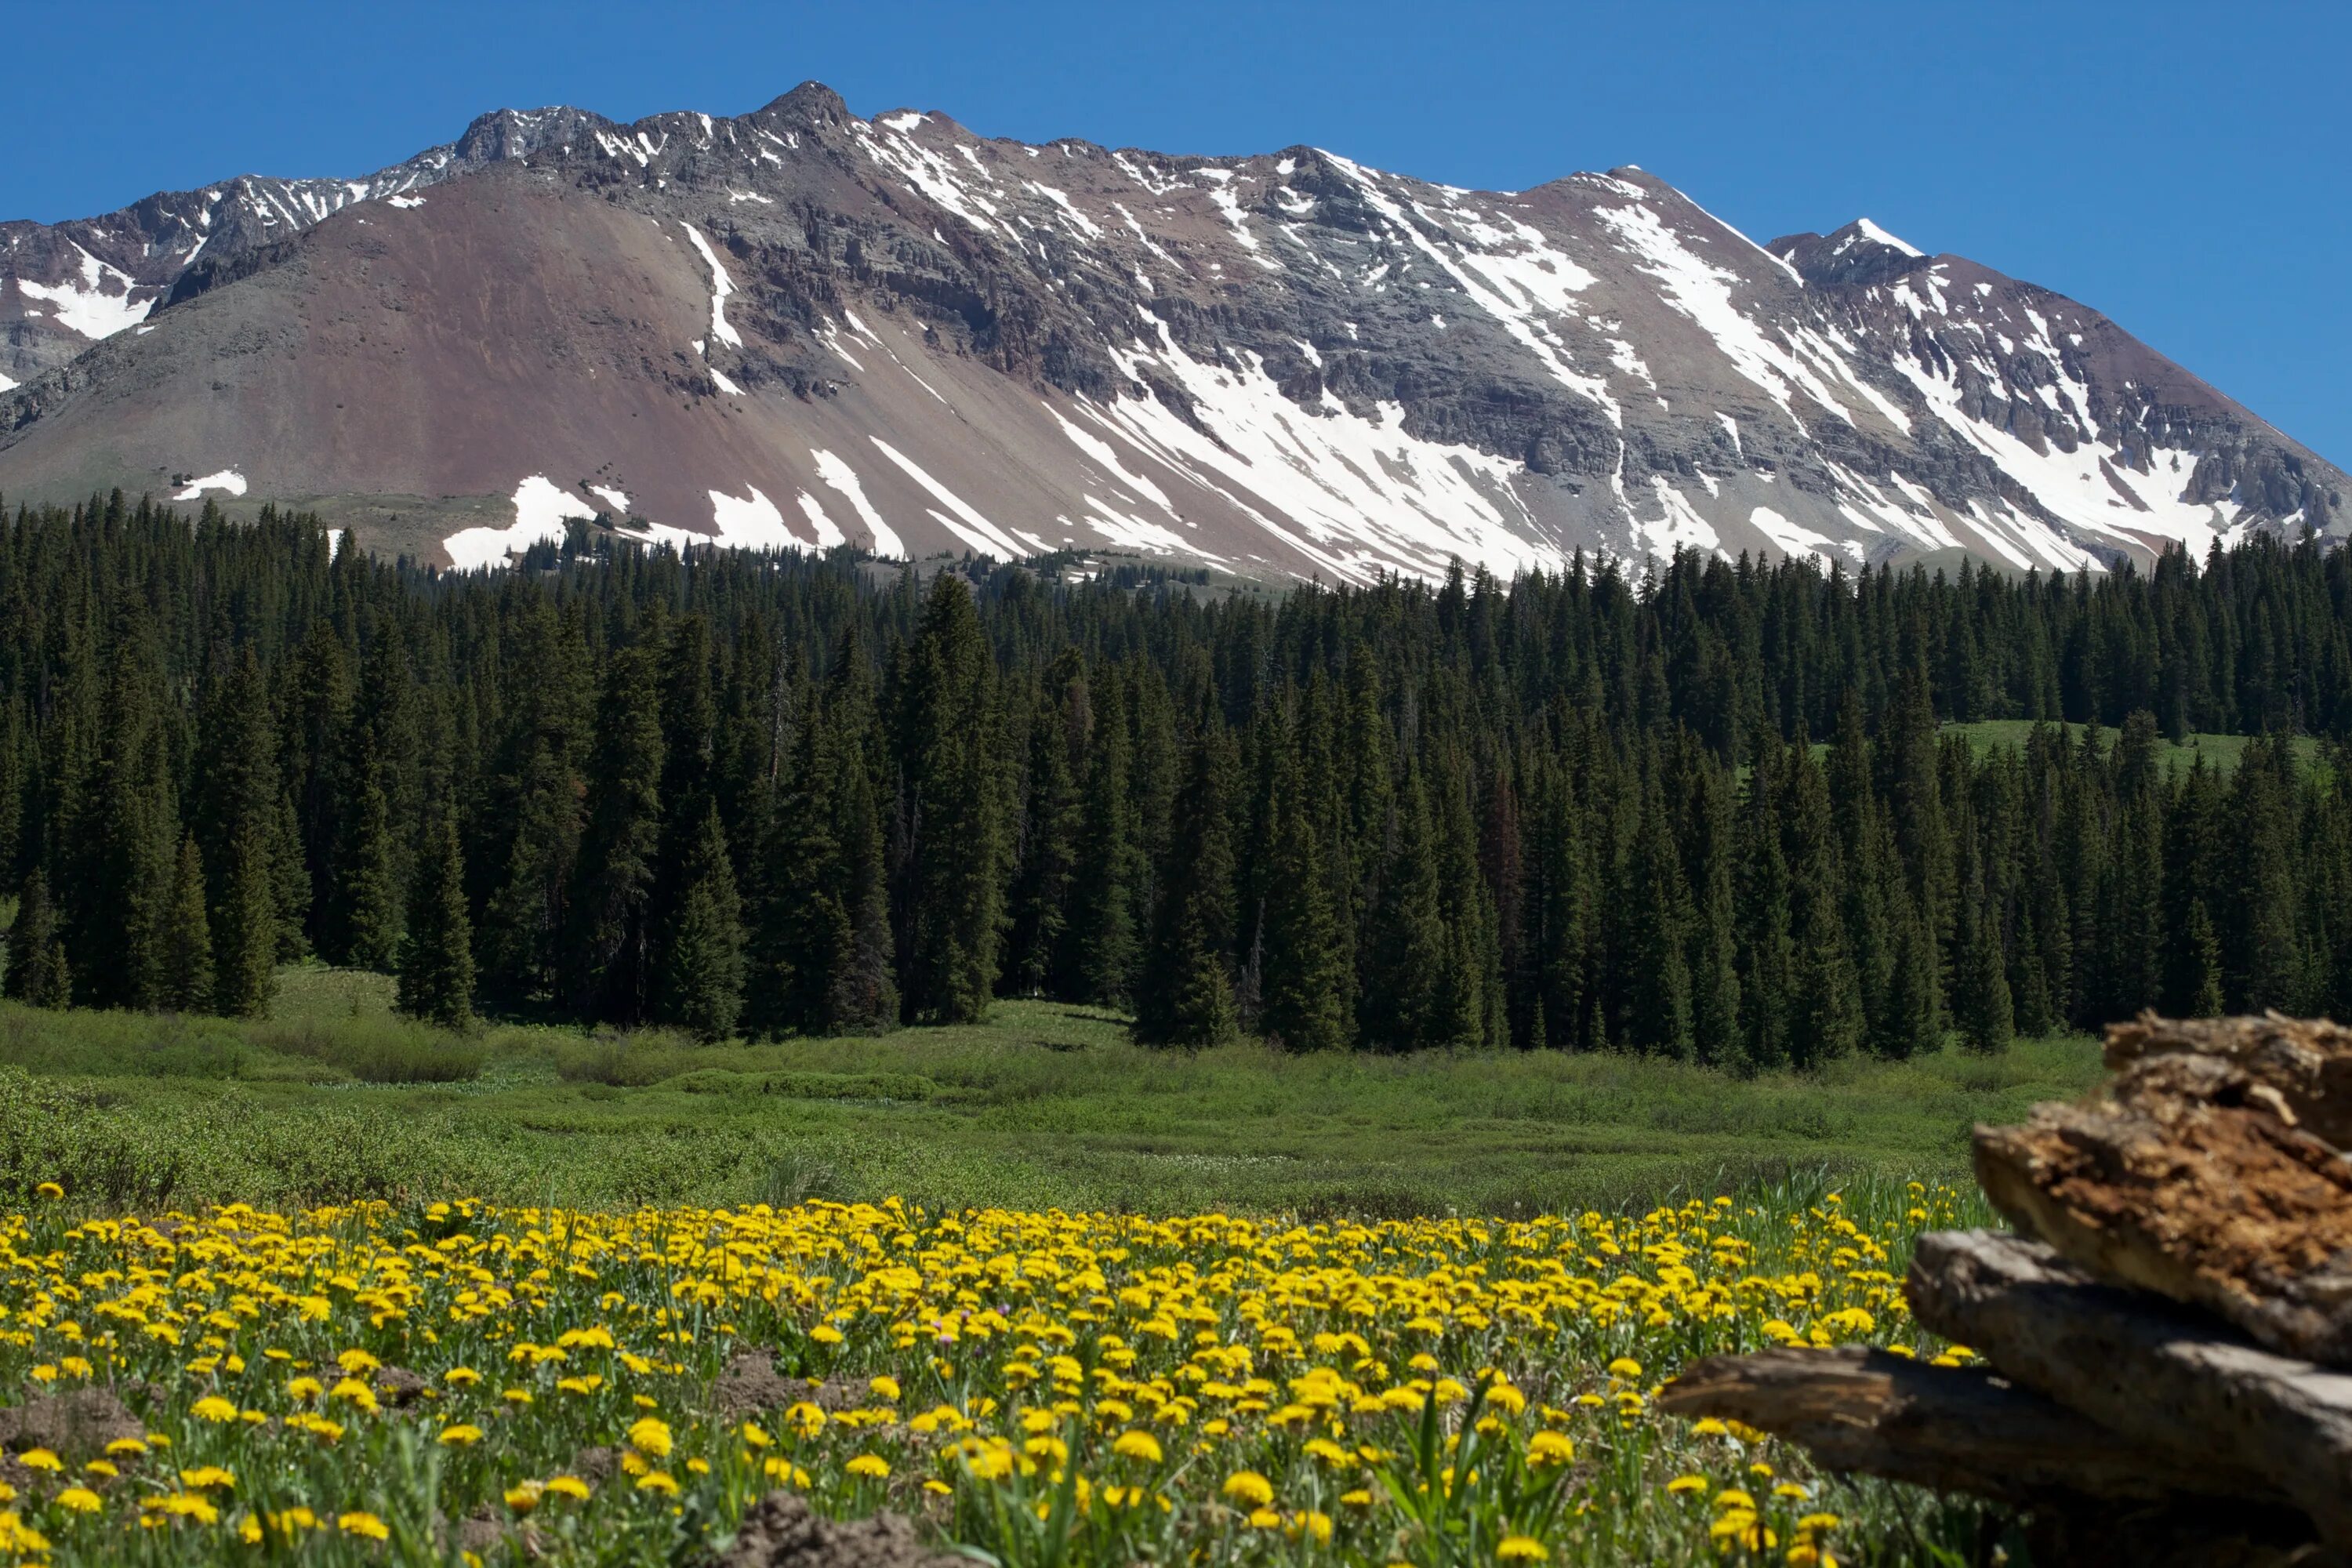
(1099, 948)
(1980, 998)
(245, 930)
(38, 973)
(369, 894)
(1307, 979)
(436, 956)
(1186, 996)
(187, 968)
(608, 971)
(1406, 951)
(952, 809)
(701, 984)
(1656, 913)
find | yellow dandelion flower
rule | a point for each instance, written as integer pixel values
(365, 1525)
(1522, 1549)
(1138, 1444)
(1248, 1487)
(80, 1500)
(873, 1467)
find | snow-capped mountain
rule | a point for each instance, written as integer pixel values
(804, 327)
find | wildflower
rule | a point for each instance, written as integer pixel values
(40, 1459)
(367, 1526)
(1708, 1426)
(122, 1448)
(1625, 1367)
(1549, 1448)
(657, 1481)
(1134, 1445)
(181, 1505)
(80, 1500)
(204, 1477)
(885, 1388)
(1522, 1549)
(463, 1436)
(871, 1465)
(572, 1486)
(212, 1407)
(461, 1377)
(102, 1468)
(1248, 1487)
(51, 1191)
(650, 1435)
(524, 1496)
(1683, 1486)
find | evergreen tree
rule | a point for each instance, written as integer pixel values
(245, 930)
(1186, 997)
(1406, 952)
(609, 969)
(1980, 998)
(1305, 1000)
(187, 968)
(1657, 914)
(436, 957)
(951, 813)
(38, 973)
(702, 980)
(370, 894)
(1100, 950)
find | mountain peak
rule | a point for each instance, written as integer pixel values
(802, 328)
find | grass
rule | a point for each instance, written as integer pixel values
(2221, 752)
(1042, 1106)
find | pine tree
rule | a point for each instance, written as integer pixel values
(245, 930)
(1100, 950)
(1050, 816)
(187, 968)
(608, 969)
(953, 848)
(1657, 917)
(38, 974)
(1304, 1005)
(1405, 951)
(436, 957)
(1980, 998)
(370, 891)
(1186, 997)
(701, 984)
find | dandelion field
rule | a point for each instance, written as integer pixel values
(456, 1381)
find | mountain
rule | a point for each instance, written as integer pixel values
(801, 326)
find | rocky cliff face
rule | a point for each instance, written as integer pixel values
(801, 326)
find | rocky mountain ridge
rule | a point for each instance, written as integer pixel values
(800, 326)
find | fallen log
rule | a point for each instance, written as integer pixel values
(2189, 1176)
(2307, 1060)
(2195, 1391)
(1950, 1428)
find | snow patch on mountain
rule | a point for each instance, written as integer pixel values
(541, 507)
(100, 306)
(228, 480)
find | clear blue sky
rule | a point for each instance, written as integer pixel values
(2186, 168)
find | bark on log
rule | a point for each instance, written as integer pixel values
(2188, 1176)
(1950, 1428)
(2172, 1380)
(2307, 1061)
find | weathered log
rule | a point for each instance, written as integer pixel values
(1951, 1428)
(2190, 1177)
(2174, 1381)
(2307, 1060)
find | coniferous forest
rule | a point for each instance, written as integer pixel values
(1710, 811)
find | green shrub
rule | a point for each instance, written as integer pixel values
(378, 1049)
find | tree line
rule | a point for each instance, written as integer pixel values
(1712, 811)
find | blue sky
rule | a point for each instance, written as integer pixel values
(2182, 167)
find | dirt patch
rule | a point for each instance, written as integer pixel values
(77, 1423)
(2191, 1177)
(780, 1531)
(400, 1387)
(750, 1384)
